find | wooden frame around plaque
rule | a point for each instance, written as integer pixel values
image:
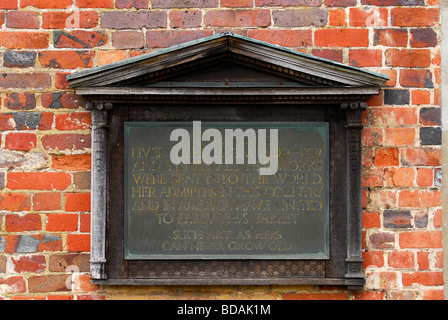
(234, 79)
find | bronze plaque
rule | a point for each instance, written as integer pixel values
(195, 203)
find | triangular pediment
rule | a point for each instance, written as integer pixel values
(223, 61)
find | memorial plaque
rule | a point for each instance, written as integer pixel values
(207, 207)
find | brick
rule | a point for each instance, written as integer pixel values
(69, 20)
(415, 17)
(62, 222)
(79, 39)
(20, 101)
(286, 38)
(419, 78)
(185, 19)
(368, 295)
(19, 223)
(397, 219)
(340, 3)
(430, 116)
(66, 141)
(390, 37)
(420, 97)
(382, 240)
(399, 136)
(61, 80)
(60, 263)
(423, 260)
(430, 136)
(75, 202)
(396, 96)
(423, 278)
(433, 295)
(24, 39)
(95, 3)
(178, 4)
(373, 259)
(61, 100)
(337, 18)
(386, 157)
(24, 264)
(66, 59)
(381, 199)
(13, 285)
(7, 122)
(128, 39)
(85, 222)
(399, 177)
(300, 18)
(382, 280)
(315, 296)
(20, 141)
(134, 19)
(425, 177)
(238, 18)
(421, 157)
(366, 58)
(361, 18)
(74, 162)
(27, 120)
(237, 3)
(421, 219)
(341, 38)
(78, 242)
(288, 3)
(22, 20)
(167, 38)
(372, 177)
(15, 202)
(408, 58)
(371, 220)
(330, 54)
(73, 121)
(46, 4)
(46, 201)
(38, 180)
(81, 180)
(3, 260)
(393, 2)
(9, 4)
(421, 38)
(419, 199)
(19, 59)
(399, 259)
(110, 56)
(129, 4)
(49, 283)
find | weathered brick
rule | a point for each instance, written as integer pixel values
(20, 141)
(341, 37)
(60, 263)
(49, 283)
(66, 59)
(62, 222)
(391, 37)
(399, 136)
(366, 58)
(46, 4)
(19, 59)
(15, 202)
(13, 285)
(340, 3)
(330, 54)
(128, 39)
(431, 136)
(24, 264)
(287, 3)
(81, 180)
(300, 18)
(399, 259)
(60, 100)
(73, 121)
(38, 180)
(184, 4)
(430, 116)
(386, 157)
(415, 17)
(66, 141)
(128, 4)
(393, 2)
(47, 201)
(371, 18)
(396, 96)
(9, 4)
(20, 101)
(238, 18)
(419, 78)
(75, 162)
(78, 242)
(315, 296)
(399, 177)
(69, 20)
(19, 223)
(421, 157)
(382, 240)
(420, 97)
(421, 38)
(419, 199)
(408, 58)
(79, 39)
(134, 19)
(397, 219)
(77, 202)
(95, 3)
(24, 39)
(423, 278)
(287, 38)
(22, 20)
(25, 80)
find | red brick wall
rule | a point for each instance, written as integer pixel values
(45, 135)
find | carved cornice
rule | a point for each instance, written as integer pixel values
(99, 106)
